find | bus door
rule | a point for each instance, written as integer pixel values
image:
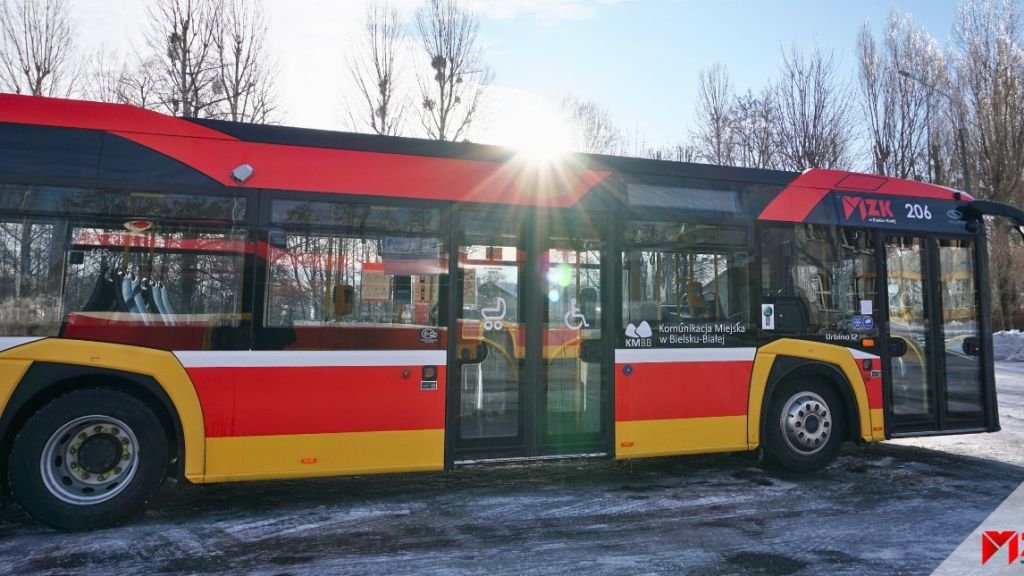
(528, 347)
(932, 370)
(573, 404)
(487, 408)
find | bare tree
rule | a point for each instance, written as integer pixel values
(106, 71)
(375, 69)
(590, 126)
(675, 153)
(713, 137)
(112, 78)
(451, 97)
(182, 36)
(245, 70)
(755, 117)
(36, 47)
(898, 83)
(813, 112)
(988, 64)
(142, 85)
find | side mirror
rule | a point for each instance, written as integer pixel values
(344, 300)
(972, 346)
(591, 350)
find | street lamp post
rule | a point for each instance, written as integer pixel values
(959, 105)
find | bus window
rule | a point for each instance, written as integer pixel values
(684, 273)
(824, 277)
(354, 276)
(166, 285)
(30, 277)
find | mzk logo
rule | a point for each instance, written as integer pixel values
(994, 540)
(869, 209)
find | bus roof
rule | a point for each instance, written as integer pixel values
(103, 142)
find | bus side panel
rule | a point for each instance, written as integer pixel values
(284, 414)
(866, 384)
(161, 366)
(681, 401)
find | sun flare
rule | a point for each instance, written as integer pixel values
(530, 124)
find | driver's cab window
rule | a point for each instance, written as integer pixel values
(819, 280)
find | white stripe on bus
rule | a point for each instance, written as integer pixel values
(862, 355)
(300, 358)
(8, 342)
(651, 355)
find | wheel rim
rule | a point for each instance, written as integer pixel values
(89, 460)
(806, 422)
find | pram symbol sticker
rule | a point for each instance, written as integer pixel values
(493, 316)
(574, 319)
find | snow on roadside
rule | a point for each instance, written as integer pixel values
(1008, 346)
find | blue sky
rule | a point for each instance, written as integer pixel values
(641, 59)
(637, 58)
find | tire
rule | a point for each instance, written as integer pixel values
(88, 459)
(804, 426)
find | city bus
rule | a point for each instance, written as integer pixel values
(216, 301)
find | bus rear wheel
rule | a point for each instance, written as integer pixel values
(88, 459)
(804, 426)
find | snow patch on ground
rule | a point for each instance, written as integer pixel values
(1008, 346)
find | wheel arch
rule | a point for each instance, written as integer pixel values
(789, 358)
(788, 368)
(45, 381)
(153, 376)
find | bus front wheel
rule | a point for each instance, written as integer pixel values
(804, 426)
(88, 459)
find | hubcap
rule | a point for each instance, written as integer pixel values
(89, 460)
(806, 422)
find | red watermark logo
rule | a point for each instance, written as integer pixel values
(867, 207)
(994, 540)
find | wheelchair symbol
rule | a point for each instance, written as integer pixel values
(575, 320)
(493, 316)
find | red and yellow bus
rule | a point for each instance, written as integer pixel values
(218, 302)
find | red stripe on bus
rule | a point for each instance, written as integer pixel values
(316, 400)
(657, 391)
(873, 387)
(311, 169)
(853, 182)
(793, 204)
(84, 115)
(807, 190)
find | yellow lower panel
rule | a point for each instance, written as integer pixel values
(877, 425)
(638, 438)
(307, 455)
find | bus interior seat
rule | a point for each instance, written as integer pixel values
(103, 297)
(695, 298)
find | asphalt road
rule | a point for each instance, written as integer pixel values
(895, 508)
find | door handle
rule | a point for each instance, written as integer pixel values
(897, 347)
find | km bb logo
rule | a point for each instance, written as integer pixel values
(868, 207)
(993, 540)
